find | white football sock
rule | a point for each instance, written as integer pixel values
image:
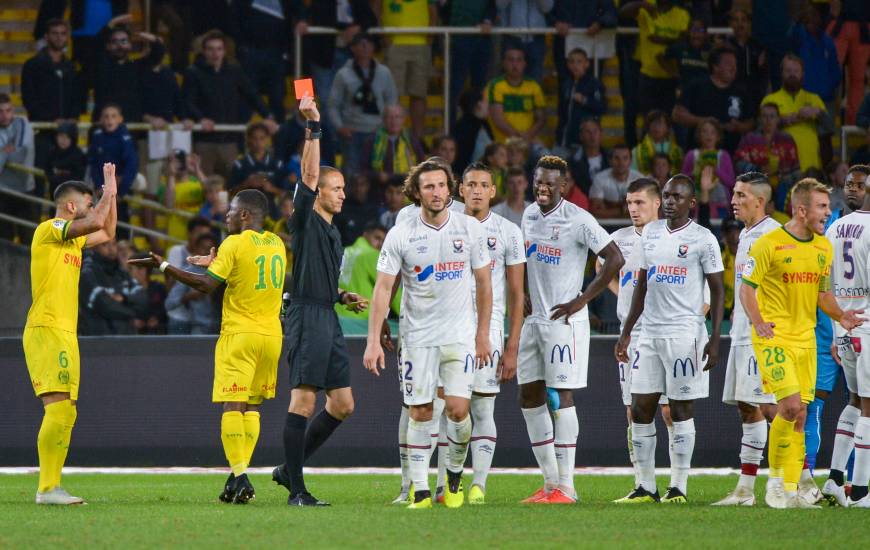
(403, 448)
(439, 443)
(861, 475)
(844, 438)
(458, 434)
(751, 452)
(540, 428)
(419, 453)
(671, 458)
(631, 456)
(483, 437)
(567, 429)
(684, 446)
(643, 440)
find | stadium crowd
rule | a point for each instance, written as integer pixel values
(769, 96)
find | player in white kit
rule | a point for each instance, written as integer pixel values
(674, 352)
(742, 381)
(554, 342)
(850, 282)
(437, 254)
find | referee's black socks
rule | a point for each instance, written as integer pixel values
(319, 430)
(294, 451)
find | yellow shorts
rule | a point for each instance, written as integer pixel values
(245, 367)
(53, 361)
(787, 370)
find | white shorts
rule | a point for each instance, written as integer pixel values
(856, 363)
(673, 366)
(625, 370)
(555, 352)
(424, 369)
(485, 379)
(742, 380)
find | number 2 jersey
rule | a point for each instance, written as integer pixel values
(676, 263)
(850, 271)
(557, 245)
(436, 266)
(252, 264)
(741, 329)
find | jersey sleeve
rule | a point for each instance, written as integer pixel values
(711, 256)
(514, 252)
(496, 95)
(390, 258)
(758, 262)
(591, 234)
(825, 278)
(479, 255)
(223, 263)
(644, 263)
(540, 102)
(303, 205)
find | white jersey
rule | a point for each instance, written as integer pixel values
(504, 243)
(850, 270)
(741, 331)
(557, 246)
(413, 211)
(436, 266)
(676, 263)
(628, 241)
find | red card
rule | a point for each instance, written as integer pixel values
(302, 87)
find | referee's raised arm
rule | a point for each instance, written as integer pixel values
(311, 151)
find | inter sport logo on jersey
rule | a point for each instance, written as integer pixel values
(667, 274)
(626, 277)
(543, 253)
(443, 271)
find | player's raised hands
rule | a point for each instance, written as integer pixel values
(110, 184)
(621, 348)
(373, 358)
(308, 108)
(152, 261)
(202, 261)
(851, 319)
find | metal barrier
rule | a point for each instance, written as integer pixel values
(447, 32)
(845, 132)
(144, 126)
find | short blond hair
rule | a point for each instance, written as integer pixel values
(802, 190)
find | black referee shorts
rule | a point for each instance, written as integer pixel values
(318, 356)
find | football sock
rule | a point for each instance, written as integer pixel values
(671, 458)
(252, 434)
(751, 452)
(643, 439)
(684, 446)
(439, 440)
(458, 435)
(794, 465)
(862, 458)
(483, 437)
(52, 443)
(233, 438)
(567, 429)
(813, 430)
(779, 445)
(419, 453)
(540, 428)
(294, 451)
(631, 456)
(403, 448)
(319, 430)
(844, 442)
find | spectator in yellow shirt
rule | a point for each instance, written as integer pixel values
(516, 103)
(183, 191)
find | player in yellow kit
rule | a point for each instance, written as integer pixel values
(51, 348)
(252, 264)
(785, 277)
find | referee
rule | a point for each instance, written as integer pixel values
(317, 354)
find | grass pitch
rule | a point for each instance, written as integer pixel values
(182, 511)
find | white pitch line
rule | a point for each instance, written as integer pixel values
(179, 470)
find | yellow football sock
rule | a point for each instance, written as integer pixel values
(233, 438)
(252, 434)
(795, 464)
(52, 443)
(779, 443)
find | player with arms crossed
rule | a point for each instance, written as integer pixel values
(674, 352)
(742, 381)
(785, 277)
(554, 342)
(437, 254)
(51, 349)
(250, 263)
(504, 243)
(850, 283)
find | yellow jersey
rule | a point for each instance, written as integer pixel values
(406, 13)
(253, 265)
(55, 266)
(671, 25)
(804, 133)
(788, 274)
(518, 102)
(189, 197)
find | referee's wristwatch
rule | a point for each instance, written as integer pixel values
(314, 129)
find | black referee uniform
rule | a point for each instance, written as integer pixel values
(318, 356)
